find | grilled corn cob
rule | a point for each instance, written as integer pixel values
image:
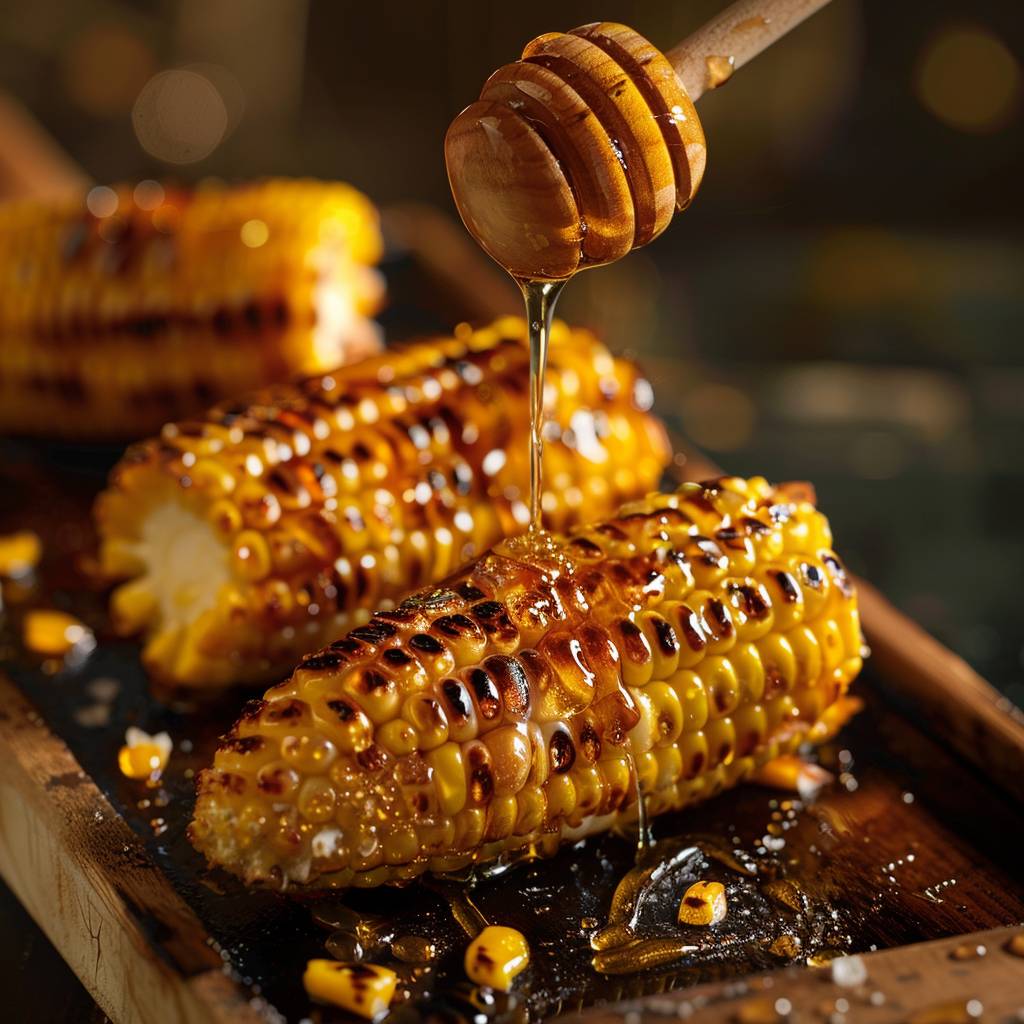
(135, 307)
(262, 531)
(523, 702)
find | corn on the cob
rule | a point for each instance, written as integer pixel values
(131, 308)
(263, 531)
(677, 647)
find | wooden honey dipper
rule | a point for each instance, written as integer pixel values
(584, 148)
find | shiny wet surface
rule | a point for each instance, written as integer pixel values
(907, 844)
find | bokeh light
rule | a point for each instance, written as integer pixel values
(148, 194)
(180, 117)
(254, 233)
(104, 68)
(101, 201)
(968, 79)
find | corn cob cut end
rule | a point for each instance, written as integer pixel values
(678, 647)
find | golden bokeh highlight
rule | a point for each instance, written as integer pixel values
(180, 117)
(254, 233)
(101, 201)
(967, 78)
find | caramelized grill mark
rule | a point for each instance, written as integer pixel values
(720, 621)
(241, 744)
(754, 605)
(323, 661)
(634, 642)
(788, 585)
(839, 573)
(561, 751)
(668, 642)
(345, 710)
(690, 626)
(455, 698)
(426, 643)
(488, 698)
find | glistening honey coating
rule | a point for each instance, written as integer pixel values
(695, 636)
(267, 528)
(126, 308)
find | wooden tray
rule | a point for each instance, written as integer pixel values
(935, 790)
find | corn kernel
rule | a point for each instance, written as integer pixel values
(19, 553)
(144, 756)
(362, 989)
(55, 633)
(792, 772)
(704, 903)
(496, 956)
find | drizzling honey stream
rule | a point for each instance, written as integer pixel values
(598, 119)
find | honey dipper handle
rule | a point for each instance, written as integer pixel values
(707, 58)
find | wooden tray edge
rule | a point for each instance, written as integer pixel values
(89, 884)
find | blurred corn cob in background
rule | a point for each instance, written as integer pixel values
(266, 528)
(129, 307)
(681, 645)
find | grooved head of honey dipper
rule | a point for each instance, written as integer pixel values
(575, 154)
(511, 192)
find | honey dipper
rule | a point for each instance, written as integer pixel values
(584, 148)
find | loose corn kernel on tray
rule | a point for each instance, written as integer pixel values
(906, 844)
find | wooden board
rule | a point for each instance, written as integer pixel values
(104, 868)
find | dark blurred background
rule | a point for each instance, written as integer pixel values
(843, 302)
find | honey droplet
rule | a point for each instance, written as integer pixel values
(413, 949)
(344, 946)
(719, 70)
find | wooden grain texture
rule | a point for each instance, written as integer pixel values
(708, 57)
(926, 983)
(89, 884)
(940, 689)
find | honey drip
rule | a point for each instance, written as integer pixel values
(719, 70)
(540, 298)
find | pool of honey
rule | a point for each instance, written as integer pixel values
(906, 844)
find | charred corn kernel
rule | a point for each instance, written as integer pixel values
(789, 771)
(351, 489)
(541, 738)
(54, 633)
(835, 717)
(19, 553)
(144, 756)
(115, 322)
(496, 957)
(704, 903)
(363, 989)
